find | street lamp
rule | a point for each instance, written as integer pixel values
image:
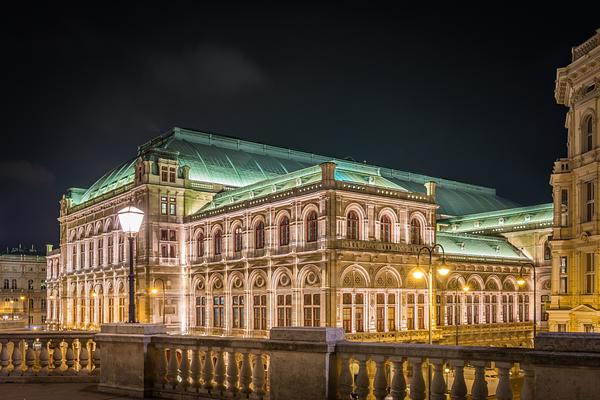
(521, 282)
(465, 289)
(442, 270)
(155, 291)
(130, 219)
(23, 298)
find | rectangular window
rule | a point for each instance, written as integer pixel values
(588, 328)
(100, 249)
(380, 312)
(359, 312)
(74, 256)
(163, 205)
(564, 207)
(164, 174)
(111, 255)
(172, 171)
(168, 245)
(312, 309)
(121, 309)
(391, 313)
(218, 311)
(82, 255)
(260, 312)
(589, 201)
(561, 327)
(201, 311)
(121, 248)
(347, 312)
(564, 287)
(544, 299)
(237, 308)
(284, 310)
(172, 206)
(590, 273)
(90, 254)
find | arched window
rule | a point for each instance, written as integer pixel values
(415, 231)
(218, 238)
(237, 239)
(588, 134)
(14, 284)
(386, 229)
(547, 250)
(352, 231)
(259, 235)
(284, 231)
(200, 245)
(6, 286)
(312, 227)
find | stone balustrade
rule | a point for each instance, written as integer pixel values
(48, 357)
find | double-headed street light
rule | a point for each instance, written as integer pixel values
(521, 282)
(155, 291)
(442, 270)
(130, 219)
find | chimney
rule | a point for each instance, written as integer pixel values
(328, 173)
(48, 249)
(430, 187)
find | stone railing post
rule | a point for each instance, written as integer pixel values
(128, 365)
(302, 357)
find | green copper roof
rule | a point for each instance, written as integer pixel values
(236, 163)
(489, 247)
(344, 172)
(520, 218)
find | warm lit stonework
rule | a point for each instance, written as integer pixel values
(240, 237)
(575, 305)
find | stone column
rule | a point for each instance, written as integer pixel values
(291, 350)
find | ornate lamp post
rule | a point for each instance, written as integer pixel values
(155, 291)
(521, 282)
(130, 219)
(442, 270)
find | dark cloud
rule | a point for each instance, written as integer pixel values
(24, 172)
(210, 69)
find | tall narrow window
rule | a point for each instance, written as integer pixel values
(121, 309)
(589, 201)
(164, 205)
(284, 231)
(90, 254)
(359, 312)
(590, 273)
(385, 226)
(347, 312)
(380, 312)
(564, 207)
(237, 239)
(237, 308)
(218, 311)
(74, 256)
(172, 206)
(259, 235)
(352, 231)
(168, 243)
(564, 287)
(100, 251)
(82, 255)
(312, 309)
(200, 311)
(121, 249)
(588, 133)
(449, 310)
(284, 310)
(260, 312)
(164, 174)
(200, 245)
(410, 311)
(391, 312)
(547, 250)
(415, 231)
(312, 228)
(172, 172)
(111, 255)
(494, 309)
(218, 242)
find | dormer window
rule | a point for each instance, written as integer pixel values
(167, 174)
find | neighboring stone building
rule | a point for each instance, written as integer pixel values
(575, 300)
(247, 236)
(23, 286)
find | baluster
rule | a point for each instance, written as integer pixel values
(438, 385)
(4, 358)
(232, 373)
(172, 368)
(196, 369)
(96, 359)
(84, 358)
(207, 370)
(258, 378)
(380, 384)
(398, 387)
(417, 383)
(528, 389)
(479, 390)
(362, 380)
(459, 387)
(17, 359)
(220, 372)
(29, 358)
(70, 358)
(161, 367)
(184, 383)
(44, 359)
(504, 391)
(246, 374)
(345, 387)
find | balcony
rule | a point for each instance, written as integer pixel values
(299, 363)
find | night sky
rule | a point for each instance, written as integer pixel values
(464, 94)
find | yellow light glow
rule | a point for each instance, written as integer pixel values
(418, 274)
(154, 290)
(94, 294)
(466, 288)
(520, 281)
(22, 297)
(443, 271)
(12, 301)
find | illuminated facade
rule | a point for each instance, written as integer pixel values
(244, 237)
(23, 287)
(575, 300)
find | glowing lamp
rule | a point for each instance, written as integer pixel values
(466, 288)
(22, 298)
(94, 294)
(130, 219)
(443, 270)
(520, 281)
(154, 290)
(418, 274)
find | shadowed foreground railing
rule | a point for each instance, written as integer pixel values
(48, 357)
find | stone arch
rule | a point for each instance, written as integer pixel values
(197, 231)
(258, 280)
(307, 208)
(216, 282)
(475, 282)
(355, 276)
(387, 277)
(282, 279)
(215, 227)
(509, 283)
(309, 276)
(107, 225)
(89, 229)
(198, 282)
(72, 235)
(98, 228)
(493, 283)
(280, 214)
(80, 233)
(455, 281)
(236, 281)
(256, 219)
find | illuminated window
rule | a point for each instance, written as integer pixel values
(237, 239)
(385, 226)
(312, 229)
(589, 201)
(284, 231)
(564, 287)
(352, 231)
(590, 273)
(168, 205)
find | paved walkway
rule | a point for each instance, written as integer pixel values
(45, 391)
